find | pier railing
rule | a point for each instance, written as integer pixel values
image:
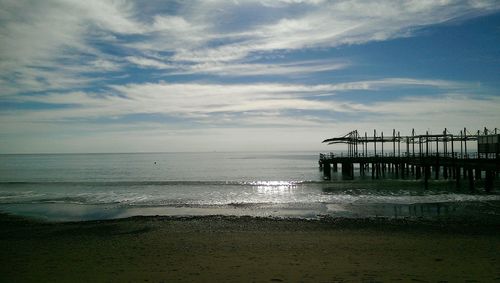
(456, 155)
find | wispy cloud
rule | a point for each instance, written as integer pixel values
(334, 24)
(211, 111)
(206, 103)
(149, 63)
(391, 83)
(48, 45)
(259, 69)
(203, 37)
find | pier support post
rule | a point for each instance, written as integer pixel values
(488, 183)
(327, 172)
(427, 172)
(457, 176)
(471, 180)
(347, 170)
(335, 167)
(417, 172)
(478, 174)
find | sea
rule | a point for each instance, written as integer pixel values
(79, 187)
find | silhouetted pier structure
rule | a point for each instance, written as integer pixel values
(419, 156)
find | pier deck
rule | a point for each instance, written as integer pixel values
(420, 162)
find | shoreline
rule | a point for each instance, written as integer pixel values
(466, 225)
(472, 211)
(228, 248)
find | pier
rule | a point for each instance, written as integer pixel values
(463, 158)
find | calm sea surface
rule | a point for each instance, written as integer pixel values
(67, 187)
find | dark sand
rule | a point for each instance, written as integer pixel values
(230, 249)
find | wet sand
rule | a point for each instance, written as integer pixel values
(232, 249)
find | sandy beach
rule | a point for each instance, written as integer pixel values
(232, 249)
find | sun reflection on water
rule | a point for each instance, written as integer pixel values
(274, 187)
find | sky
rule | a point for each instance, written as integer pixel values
(187, 76)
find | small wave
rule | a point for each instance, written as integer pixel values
(154, 183)
(121, 183)
(163, 201)
(69, 200)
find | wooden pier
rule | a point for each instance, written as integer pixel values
(423, 157)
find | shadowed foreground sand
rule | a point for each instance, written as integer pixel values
(202, 249)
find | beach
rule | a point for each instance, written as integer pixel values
(247, 249)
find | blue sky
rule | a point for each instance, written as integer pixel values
(142, 76)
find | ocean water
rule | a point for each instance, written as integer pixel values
(72, 187)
